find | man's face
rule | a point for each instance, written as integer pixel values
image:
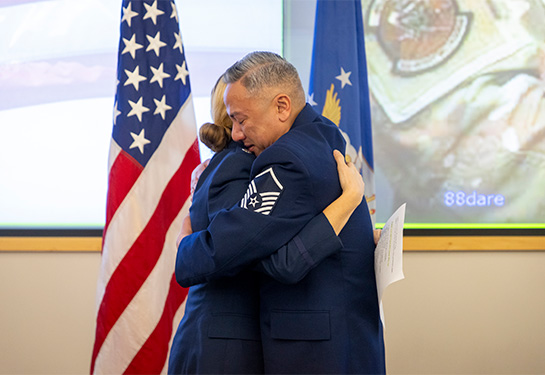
(256, 122)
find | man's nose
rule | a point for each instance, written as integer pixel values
(236, 132)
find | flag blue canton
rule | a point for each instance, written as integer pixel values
(338, 81)
(153, 80)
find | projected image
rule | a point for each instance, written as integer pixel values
(457, 95)
(458, 108)
(58, 61)
(57, 79)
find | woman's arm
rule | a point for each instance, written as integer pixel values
(319, 238)
(314, 242)
(338, 212)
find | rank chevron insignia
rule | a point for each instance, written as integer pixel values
(262, 193)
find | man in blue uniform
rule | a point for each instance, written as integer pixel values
(220, 331)
(328, 322)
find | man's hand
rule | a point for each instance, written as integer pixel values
(186, 230)
(376, 235)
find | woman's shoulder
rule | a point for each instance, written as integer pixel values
(231, 161)
(236, 153)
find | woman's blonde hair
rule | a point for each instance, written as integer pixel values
(217, 135)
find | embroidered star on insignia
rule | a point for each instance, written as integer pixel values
(262, 193)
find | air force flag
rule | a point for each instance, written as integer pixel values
(338, 82)
(262, 193)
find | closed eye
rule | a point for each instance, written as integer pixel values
(240, 122)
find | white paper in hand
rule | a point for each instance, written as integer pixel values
(389, 254)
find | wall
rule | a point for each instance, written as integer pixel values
(47, 311)
(455, 313)
(467, 313)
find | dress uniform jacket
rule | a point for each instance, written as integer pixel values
(328, 322)
(220, 331)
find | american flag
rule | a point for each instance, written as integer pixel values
(152, 153)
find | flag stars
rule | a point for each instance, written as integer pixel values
(128, 14)
(311, 100)
(178, 43)
(182, 73)
(142, 108)
(162, 107)
(158, 75)
(344, 77)
(155, 43)
(137, 109)
(131, 46)
(139, 141)
(174, 13)
(134, 78)
(117, 112)
(152, 12)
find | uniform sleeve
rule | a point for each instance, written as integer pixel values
(242, 235)
(292, 262)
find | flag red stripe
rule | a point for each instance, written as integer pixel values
(156, 346)
(123, 174)
(139, 261)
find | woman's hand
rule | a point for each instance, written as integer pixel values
(350, 179)
(352, 185)
(197, 173)
(340, 210)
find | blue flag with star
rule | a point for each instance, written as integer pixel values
(338, 83)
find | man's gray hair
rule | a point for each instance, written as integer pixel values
(259, 70)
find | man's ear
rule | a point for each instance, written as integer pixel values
(283, 107)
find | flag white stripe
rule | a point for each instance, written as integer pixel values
(175, 322)
(115, 149)
(125, 333)
(141, 201)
